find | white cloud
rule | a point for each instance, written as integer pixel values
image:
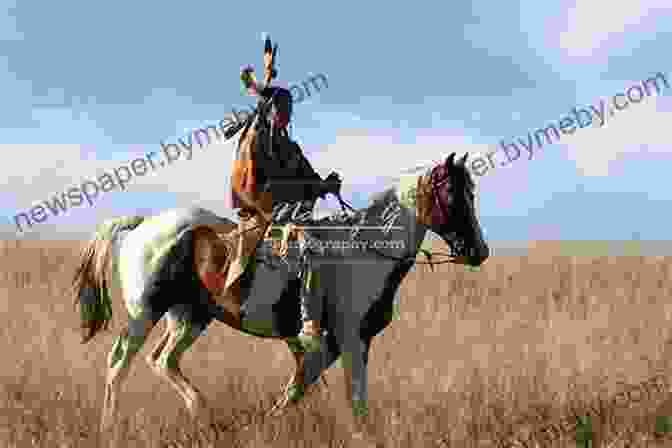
(35, 171)
(368, 159)
(205, 174)
(640, 128)
(366, 163)
(599, 25)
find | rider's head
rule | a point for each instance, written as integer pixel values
(281, 105)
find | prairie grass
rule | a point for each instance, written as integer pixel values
(474, 358)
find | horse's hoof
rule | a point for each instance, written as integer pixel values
(293, 395)
(310, 343)
(305, 343)
(279, 408)
(295, 392)
(295, 345)
(360, 408)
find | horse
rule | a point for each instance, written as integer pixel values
(359, 259)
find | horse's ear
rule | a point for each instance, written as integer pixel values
(463, 160)
(450, 160)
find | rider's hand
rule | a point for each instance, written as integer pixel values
(332, 183)
(284, 241)
(333, 176)
(247, 78)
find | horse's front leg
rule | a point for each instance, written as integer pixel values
(355, 366)
(309, 369)
(295, 388)
(355, 363)
(297, 384)
(317, 362)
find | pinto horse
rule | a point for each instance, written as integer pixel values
(153, 261)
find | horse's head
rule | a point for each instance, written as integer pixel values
(445, 203)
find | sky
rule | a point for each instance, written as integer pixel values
(87, 87)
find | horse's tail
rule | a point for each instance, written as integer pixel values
(90, 283)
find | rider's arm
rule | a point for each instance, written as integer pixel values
(306, 171)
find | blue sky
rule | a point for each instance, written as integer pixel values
(87, 87)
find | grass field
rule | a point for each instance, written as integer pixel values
(474, 357)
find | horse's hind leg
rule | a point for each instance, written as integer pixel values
(153, 361)
(153, 356)
(182, 329)
(125, 347)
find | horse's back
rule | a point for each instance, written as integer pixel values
(142, 250)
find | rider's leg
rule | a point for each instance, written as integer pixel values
(252, 230)
(293, 217)
(311, 306)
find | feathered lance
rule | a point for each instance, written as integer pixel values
(270, 52)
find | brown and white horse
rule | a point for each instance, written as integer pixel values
(153, 261)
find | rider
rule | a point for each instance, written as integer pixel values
(273, 181)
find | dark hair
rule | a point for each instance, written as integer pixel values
(282, 100)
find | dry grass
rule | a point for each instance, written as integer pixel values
(474, 358)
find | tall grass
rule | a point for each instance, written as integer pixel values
(474, 358)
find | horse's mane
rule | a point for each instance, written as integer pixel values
(358, 215)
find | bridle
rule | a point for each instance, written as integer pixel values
(437, 197)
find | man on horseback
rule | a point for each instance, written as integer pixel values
(271, 180)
